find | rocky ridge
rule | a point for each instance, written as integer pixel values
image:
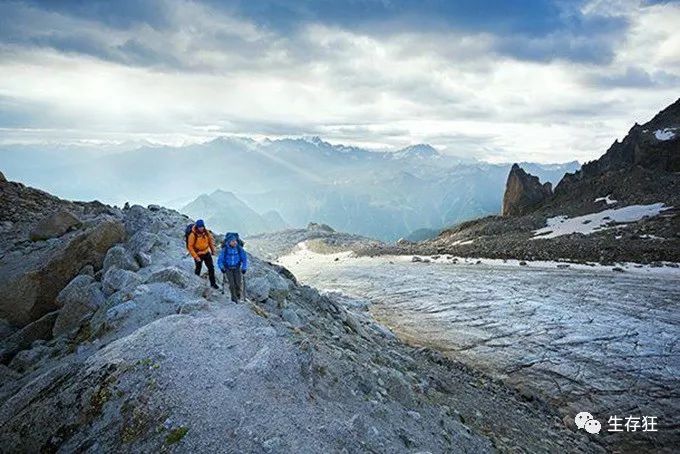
(137, 353)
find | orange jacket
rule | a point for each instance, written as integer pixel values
(200, 243)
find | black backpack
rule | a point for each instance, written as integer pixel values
(239, 241)
(187, 231)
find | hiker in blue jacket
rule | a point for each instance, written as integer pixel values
(233, 262)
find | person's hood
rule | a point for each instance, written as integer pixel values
(229, 237)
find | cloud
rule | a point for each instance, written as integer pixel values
(556, 82)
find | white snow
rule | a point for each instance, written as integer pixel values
(664, 134)
(589, 223)
(462, 242)
(311, 264)
(608, 200)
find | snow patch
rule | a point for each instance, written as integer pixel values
(462, 242)
(602, 220)
(652, 237)
(608, 200)
(665, 134)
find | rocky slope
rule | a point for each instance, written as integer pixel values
(624, 206)
(136, 353)
(318, 237)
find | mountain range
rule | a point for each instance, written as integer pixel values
(622, 207)
(384, 195)
(224, 212)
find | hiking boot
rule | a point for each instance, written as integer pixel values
(215, 286)
(234, 300)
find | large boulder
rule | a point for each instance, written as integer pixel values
(54, 226)
(31, 289)
(22, 339)
(171, 274)
(119, 257)
(258, 289)
(116, 279)
(79, 300)
(523, 192)
(143, 241)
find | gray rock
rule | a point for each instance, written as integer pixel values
(116, 279)
(22, 339)
(54, 226)
(87, 270)
(31, 290)
(416, 259)
(119, 312)
(119, 257)
(258, 289)
(79, 301)
(194, 306)
(75, 290)
(171, 274)
(143, 241)
(25, 359)
(143, 259)
(291, 317)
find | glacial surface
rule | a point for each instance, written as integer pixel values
(579, 338)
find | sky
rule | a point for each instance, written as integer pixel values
(543, 81)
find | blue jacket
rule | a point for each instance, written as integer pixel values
(232, 257)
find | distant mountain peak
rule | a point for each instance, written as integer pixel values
(316, 140)
(421, 150)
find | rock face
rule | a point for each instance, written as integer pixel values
(654, 146)
(40, 329)
(54, 226)
(523, 192)
(30, 287)
(79, 300)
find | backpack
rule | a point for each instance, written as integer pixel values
(187, 231)
(239, 241)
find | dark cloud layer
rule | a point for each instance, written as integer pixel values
(539, 30)
(491, 77)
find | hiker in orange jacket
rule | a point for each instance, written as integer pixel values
(201, 246)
